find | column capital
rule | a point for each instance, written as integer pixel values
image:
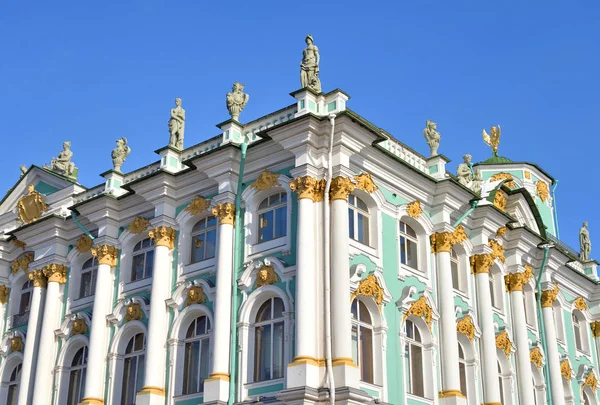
(163, 236)
(515, 281)
(549, 296)
(308, 187)
(340, 188)
(443, 241)
(595, 325)
(4, 291)
(56, 273)
(225, 212)
(481, 263)
(106, 254)
(38, 278)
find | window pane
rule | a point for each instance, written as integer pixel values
(278, 350)
(454, 270)
(149, 263)
(361, 204)
(355, 345)
(277, 308)
(403, 259)
(211, 243)
(265, 226)
(492, 292)
(137, 272)
(365, 316)
(198, 246)
(25, 301)
(85, 286)
(262, 353)
(204, 358)
(351, 223)
(363, 229)
(139, 342)
(366, 351)
(462, 370)
(280, 221)
(13, 393)
(140, 373)
(411, 254)
(416, 364)
(191, 367)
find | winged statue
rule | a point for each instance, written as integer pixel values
(493, 139)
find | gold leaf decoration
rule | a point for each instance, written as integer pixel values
(365, 182)
(55, 273)
(497, 250)
(465, 326)
(516, 281)
(565, 370)
(535, 356)
(195, 295)
(340, 188)
(421, 309)
(4, 293)
(134, 312)
(595, 325)
(549, 296)
(591, 381)
(369, 287)
(503, 176)
(163, 236)
(31, 207)
(265, 181)
(501, 231)
(225, 212)
(580, 304)
(16, 344)
(19, 244)
(22, 263)
(443, 241)
(79, 327)
(83, 244)
(414, 209)
(500, 200)
(503, 343)
(138, 225)
(197, 205)
(266, 276)
(542, 190)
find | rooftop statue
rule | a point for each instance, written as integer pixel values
(177, 125)
(23, 170)
(585, 244)
(309, 67)
(432, 136)
(236, 100)
(477, 182)
(62, 164)
(464, 172)
(493, 139)
(120, 153)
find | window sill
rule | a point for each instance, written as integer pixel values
(138, 285)
(269, 246)
(266, 383)
(182, 397)
(403, 270)
(82, 302)
(362, 248)
(420, 399)
(583, 353)
(201, 265)
(461, 293)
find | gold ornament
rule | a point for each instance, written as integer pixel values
(493, 139)
(195, 295)
(414, 209)
(197, 205)
(225, 212)
(516, 281)
(138, 225)
(421, 309)
(549, 296)
(527, 174)
(265, 181)
(15, 266)
(134, 312)
(265, 276)
(580, 304)
(320, 190)
(481, 263)
(55, 273)
(31, 207)
(595, 325)
(500, 200)
(4, 292)
(16, 344)
(443, 241)
(501, 231)
(535, 356)
(591, 381)
(466, 327)
(497, 250)
(106, 254)
(542, 190)
(19, 244)
(502, 176)
(365, 182)
(83, 244)
(38, 278)
(565, 370)
(340, 188)
(22, 262)
(369, 287)
(305, 187)
(503, 343)
(79, 327)
(163, 236)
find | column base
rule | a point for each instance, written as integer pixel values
(312, 396)
(91, 401)
(345, 373)
(151, 396)
(492, 403)
(305, 371)
(452, 397)
(216, 388)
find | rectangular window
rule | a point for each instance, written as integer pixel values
(351, 223)
(408, 252)
(87, 285)
(366, 355)
(192, 358)
(416, 371)
(25, 301)
(455, 275)
(492, 293)
(262, 362)
(462, 370)
(266, 225)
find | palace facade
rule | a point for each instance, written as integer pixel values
(321, 261)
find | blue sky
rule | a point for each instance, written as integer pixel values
(92, 72)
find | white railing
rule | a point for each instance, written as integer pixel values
(90, 193)
(405, 154)
(143, 172)
(276, 118)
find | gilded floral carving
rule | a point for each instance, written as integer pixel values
(163, 236)
(595, 325)
(501, 231)
(4, 292)
(265, 276)
(443, 241)
(591, 381)
(106, 254)
(549, 296)
(197, 205)
(340, 188)
(265, 181)
(580, 304)
(503, 343)
(225, 212)
(365, 182)
(500, 200)
(19, 244)
(369, 287)
(503, 176)
(565, 370)
(542, 190)
(320, 190)
(38, 278)
(527, 174)
(138, 225)
(133, 312)
(305, 187)
(414, 209)
(481, 263)
(421, 309)
(79, 327)
(195, 295)
(22, 262)
(535, 356)
(55, 273)
(31, 207)
(497, 250)
(465, 326)
(16, 344)
(516, 281)
(83, 244)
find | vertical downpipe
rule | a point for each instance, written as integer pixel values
(538, 284)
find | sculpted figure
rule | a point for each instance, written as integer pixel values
(477, 182)
(23, 169)
(177, 125)
(432, 136)
(236, 100)
(62, 164)
(464, 171)
(585, 244)
(120, 153)
(309, 67)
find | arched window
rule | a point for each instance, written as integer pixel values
(408, 246)
(362, 340)
(13, 385)
(77, 376)
(272, 217)
(89, 272)
(204, 239)
(143, 260)
(196, 362)
(133, 369)
(455, 269)
(268, 341)
(358, 219)
(26, 293)
(414, 356)
(462, 370)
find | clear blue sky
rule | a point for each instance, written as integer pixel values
(92, 72)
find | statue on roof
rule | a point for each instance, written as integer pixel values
(177, 125)
(309, 67)
(432, 136)
(120, 153)
(493, 139)
(23, 170)
(236, 100)
(585, 243)
(477, 182)
(62, 163)
(464, 172)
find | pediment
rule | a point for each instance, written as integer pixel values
(520, 208)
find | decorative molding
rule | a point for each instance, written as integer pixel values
(516, 281)
(497, 250)
(527, 174)
(225, 212)
(55, 273)
(503, 343)
(542, 191)
(16, 344)
(31, 207)
(265, 181)
(535, 356)
(4, 292)
(83, 244)
(38, 278)
(369, 287)
(19, 244)
(340, 188)
(565, 370)
(466, 327)
(590, 381)
(195, 295)
(265, 276)
(500, 200)
(549, 296)
(501, 231)
(163, 236)
(138, 225)
(306, 187)
(481, 263)
(197, 205)
(501, 176)
(106, 254)
(22, 263)
(595, 325)
(421, 309)
(79, 327)
(414, 209)
(580, 304)
(443, 241)
(133, 312)
(365, 182)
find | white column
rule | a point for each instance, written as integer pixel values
(480, 266)
(216, 388)
(153, 391)
(32, 341)
(4, 293)
(552, 355)
(524, 375)
(94, 381)
(56, 274)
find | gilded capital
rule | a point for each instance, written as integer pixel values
(443, 241)
(340, 188)
(549, 296)
(225, 212)
(481, 263)
(320, 190)
(163, 236)
(197, 205)
(305, 187)
(365, 182)
(38, 278)
(83, 244)
(55, 273)
(595, 325)
(4, 292)
(497, 250)
(516, 281)
(106, 254)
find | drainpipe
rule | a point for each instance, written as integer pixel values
(237, 262)
(466, 214)
(83, 229)
(327, 267)
(554, 185)
(538, 285)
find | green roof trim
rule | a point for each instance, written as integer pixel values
(496, 160)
